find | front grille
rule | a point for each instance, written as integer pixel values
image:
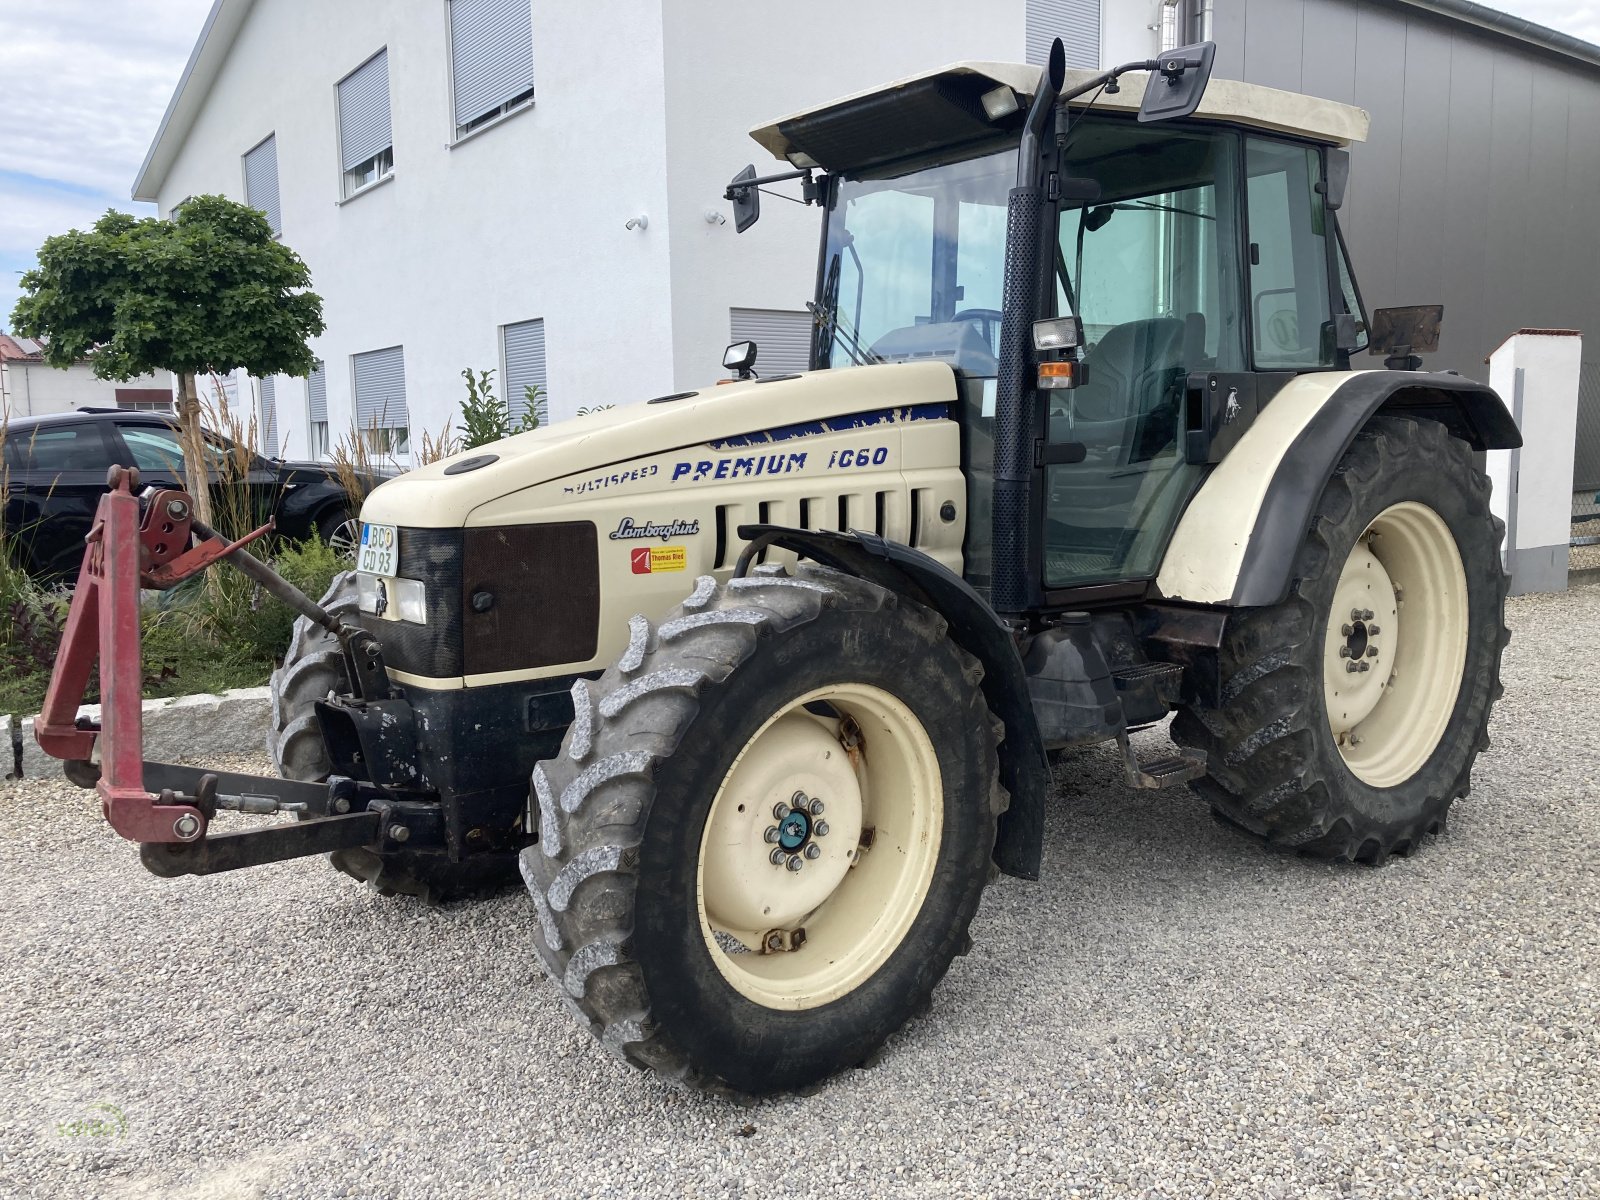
(544, 587)
(542, 584)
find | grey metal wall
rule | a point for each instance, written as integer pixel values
(1480, 184)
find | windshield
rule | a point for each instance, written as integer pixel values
(914, 265)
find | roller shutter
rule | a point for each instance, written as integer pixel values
(491, 55)
(524, 351)
(380, 383)
(364, 111)
(1075, 22)
(261, 181)
(782, 338)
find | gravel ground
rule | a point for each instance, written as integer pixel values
(1173, 1011)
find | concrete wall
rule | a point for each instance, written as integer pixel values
(31, 388)
(1478, 186)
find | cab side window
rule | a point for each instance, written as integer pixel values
(1288, 257)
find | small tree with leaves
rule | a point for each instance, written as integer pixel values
(211, 290)
(486, 418)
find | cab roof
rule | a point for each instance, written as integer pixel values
(944, 107)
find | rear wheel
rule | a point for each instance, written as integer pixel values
(313, 669)
(767, 831)
(1354, 710)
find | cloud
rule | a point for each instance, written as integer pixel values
(85, 85)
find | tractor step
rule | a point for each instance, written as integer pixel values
(1167, 771)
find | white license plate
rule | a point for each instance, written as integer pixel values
(380, 545)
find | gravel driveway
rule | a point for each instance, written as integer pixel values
(1173, 1011)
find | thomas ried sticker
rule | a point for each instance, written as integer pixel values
(647, 560)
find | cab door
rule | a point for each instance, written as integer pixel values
(1152, 269)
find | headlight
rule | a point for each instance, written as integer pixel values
(397, 599)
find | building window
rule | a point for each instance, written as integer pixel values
(491, 60)
(1075, 22)
(269, 418)
(366, 152)
(782, 338)
(261, 181)
(317, 409)
(380, 392)
(522, 349)
(144, 399)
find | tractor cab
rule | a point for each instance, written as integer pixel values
(1187, 267)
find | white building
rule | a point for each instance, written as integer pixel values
(29, 386)
(478, 183)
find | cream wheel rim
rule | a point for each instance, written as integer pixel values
(1396, 644)
(820, 847)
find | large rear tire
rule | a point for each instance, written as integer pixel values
(313, 669)
(1354, 710)
(782, 754)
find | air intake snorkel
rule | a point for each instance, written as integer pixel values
(1010, 584)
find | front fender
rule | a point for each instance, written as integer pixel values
(1237, 541)
(1024, 767)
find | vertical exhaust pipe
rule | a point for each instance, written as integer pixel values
(1011, 588)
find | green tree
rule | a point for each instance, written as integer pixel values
(210, 290)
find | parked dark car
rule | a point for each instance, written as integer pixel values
(55, 470)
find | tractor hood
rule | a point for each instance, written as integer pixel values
(579, 451)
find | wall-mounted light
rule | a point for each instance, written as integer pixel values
(640, 222)
(713, 217)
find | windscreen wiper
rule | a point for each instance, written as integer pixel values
(847, 335)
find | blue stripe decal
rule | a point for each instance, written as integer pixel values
(882, 416)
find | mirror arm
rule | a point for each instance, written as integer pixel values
(809, 190)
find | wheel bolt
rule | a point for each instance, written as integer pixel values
(1366, 614)
(820, 829)
(772, 833)
(1344, 651)
(798, 800)
(780, 811)
(1373, 631)
(1352, 668)
(1364, 667)
(1347, 629)
(816, 808)
(813, 851)
(796, 862)
(1355, 614)
(777, 856)
(1372, 652)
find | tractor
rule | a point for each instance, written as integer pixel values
(759, 685)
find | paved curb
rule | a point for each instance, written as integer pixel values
(191, 727)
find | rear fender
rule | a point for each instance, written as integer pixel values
(1024, 768)
(1237, 541)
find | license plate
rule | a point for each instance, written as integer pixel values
(379, 549)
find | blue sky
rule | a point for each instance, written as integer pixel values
(83, 84)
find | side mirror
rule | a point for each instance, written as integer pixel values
(1179, 81)
(746, 200)
(740, 358)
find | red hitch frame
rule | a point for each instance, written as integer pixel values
(123, 554)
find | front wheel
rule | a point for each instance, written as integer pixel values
(767, 832)
(1353, 711)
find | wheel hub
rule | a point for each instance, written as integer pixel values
(773, 857)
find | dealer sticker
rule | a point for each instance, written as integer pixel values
(647, 560)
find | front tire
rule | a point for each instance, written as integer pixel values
(670, 887)
(1353, 711)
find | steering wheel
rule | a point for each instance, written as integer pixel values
(988, 321)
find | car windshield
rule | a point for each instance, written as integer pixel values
(914, 264)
